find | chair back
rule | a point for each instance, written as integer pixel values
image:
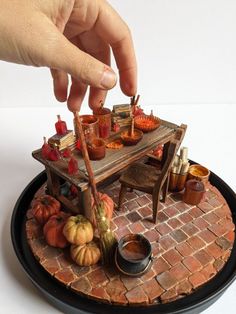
(172, 150)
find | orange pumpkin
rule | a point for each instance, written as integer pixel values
(78, 230)
(85, 255)
(44, 207)
(106, 208)
(53, 228)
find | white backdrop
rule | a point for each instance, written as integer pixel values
(186, 51)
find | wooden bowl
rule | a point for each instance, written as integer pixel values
(146, 123)
(96, 149)
(129, 140)
(198, 172)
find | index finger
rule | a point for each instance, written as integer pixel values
(114, 31)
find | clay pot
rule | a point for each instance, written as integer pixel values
(194, 192)
(96, 149)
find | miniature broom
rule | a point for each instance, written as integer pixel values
(107, 238)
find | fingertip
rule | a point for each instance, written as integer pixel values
(73, 107)
(60, 84)
(128, 88)
(74, 102)
(76, 96)
(96, 98)
(60, 93)
(128, 81)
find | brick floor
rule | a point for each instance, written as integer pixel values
(190, 245)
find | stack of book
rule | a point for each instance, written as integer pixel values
(62, 141)
(121, 114)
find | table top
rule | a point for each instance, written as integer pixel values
(115, 159)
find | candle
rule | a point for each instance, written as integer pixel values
(184, 154)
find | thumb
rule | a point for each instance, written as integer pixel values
(80, 65)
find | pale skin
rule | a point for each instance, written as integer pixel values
(72, 38)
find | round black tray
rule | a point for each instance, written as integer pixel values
(71, 303)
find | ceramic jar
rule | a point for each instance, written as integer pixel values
(194, 192)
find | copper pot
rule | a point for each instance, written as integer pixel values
(96, 149)
(90, 127)
(104, 121)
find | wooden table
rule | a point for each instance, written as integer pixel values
(114, 162)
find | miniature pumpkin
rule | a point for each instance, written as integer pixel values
(85, 255)
(78, 230)
(53, 230)
(105, 209)
(44, 207)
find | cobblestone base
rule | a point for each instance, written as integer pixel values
(190, 244)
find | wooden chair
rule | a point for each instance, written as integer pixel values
(149, 179)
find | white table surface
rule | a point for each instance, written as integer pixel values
(211, 141)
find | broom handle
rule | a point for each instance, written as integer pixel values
(86, 158)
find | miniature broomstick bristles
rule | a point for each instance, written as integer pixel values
(107, 238)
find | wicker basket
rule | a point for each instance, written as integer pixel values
(146, 123)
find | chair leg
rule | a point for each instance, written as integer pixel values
(123, 190)
(155, 203)
(165, 189)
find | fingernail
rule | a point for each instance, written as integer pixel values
(108, 79)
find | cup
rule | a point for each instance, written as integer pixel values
(104, 121)
(90, 127)
(177, 181)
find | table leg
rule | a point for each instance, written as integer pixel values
(53, 183)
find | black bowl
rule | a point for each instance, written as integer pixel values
(133, 253)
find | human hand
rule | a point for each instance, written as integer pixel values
(70, 37)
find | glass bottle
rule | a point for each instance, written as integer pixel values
(46, 149)
(61, 127)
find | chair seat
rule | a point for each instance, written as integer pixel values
(140, 176)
